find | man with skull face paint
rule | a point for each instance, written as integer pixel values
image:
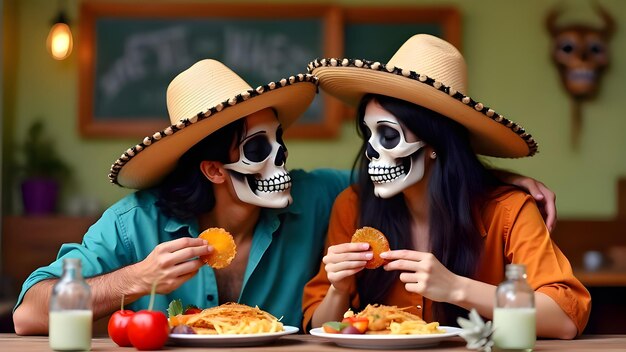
(220, 164)
(452, 226)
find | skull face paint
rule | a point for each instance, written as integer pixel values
(259, 176)
(395, 163)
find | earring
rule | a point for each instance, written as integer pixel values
(433, 155)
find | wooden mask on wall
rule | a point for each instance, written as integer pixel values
(581, 55)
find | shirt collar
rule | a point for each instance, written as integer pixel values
(175, 225)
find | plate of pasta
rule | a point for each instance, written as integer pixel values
(384, 327)
(227, 325)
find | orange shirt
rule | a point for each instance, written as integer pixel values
(513, 232)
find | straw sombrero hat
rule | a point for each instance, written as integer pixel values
(429, 72)
(200, 100)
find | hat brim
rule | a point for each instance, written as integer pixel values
(490, 133)
(147, 163)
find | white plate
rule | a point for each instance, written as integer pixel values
(231, 340)
(387, 341)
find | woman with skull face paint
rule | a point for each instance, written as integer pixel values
(452, 226)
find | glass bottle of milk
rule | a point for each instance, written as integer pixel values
(514, 312)
(70, 310)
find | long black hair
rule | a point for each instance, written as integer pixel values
(457, 187)
(186, 192)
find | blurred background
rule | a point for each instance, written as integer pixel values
(70, 118)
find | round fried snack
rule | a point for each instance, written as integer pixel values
(224, 248)
(378, 244)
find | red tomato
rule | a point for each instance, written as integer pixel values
(357, 322)
(148, 330)
(118, 327)
(192, 310)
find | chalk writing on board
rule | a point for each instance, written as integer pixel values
(138, 59)
(272, 54)
(167, 47)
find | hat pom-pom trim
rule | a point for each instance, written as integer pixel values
(480, 107)
(185, 122)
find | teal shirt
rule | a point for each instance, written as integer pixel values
(286, 249)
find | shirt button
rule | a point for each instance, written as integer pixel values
(209, 298)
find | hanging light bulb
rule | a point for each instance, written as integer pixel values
(60, 42)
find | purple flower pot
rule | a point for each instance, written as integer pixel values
(39, 196)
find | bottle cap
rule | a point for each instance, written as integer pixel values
(515, 271)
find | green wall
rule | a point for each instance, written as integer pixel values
(507, 50)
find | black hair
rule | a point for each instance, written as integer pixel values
(186, 192)
(458, 185)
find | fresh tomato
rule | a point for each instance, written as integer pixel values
(148, 330)
(360, 323)
(333, 327)
(192, 310)
(118, 327)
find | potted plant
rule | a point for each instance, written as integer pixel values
(42, 171)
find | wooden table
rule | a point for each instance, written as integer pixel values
(301, 343)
